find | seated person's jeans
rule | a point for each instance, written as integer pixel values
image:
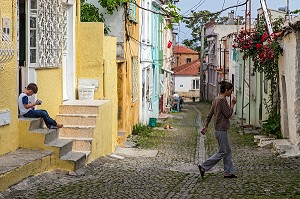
(43, 114)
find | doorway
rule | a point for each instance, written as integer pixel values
(27, 44)
(22, 46)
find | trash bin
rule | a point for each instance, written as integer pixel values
(86, 92)
(152, 122)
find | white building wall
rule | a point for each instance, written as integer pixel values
(184, 83)
(287, 68)
(146, 71)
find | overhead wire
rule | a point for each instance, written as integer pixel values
(217, 13)
(193, 7)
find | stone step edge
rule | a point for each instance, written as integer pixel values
(77, 115)
(59, 142)
(77, 139)
(73, 156)
(79, 126)
(87, 153)
(42, 130)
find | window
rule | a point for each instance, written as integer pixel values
(188, 60)
(132, 11)
(195, 84)
(45, 32)
(135, 79)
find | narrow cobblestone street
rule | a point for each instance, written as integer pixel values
(173, 172)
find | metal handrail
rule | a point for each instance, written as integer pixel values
(6, 48)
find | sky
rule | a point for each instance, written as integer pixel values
(217, 5)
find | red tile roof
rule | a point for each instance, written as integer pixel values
(183, 50)
(189, 69)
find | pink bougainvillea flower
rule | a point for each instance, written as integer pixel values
(258, 46)
(264, 37)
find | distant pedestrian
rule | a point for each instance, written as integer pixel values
(26, 108)
(221, 112)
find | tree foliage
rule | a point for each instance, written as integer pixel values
(264, 50)
(90, 13)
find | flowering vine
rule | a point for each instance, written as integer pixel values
(264, 50)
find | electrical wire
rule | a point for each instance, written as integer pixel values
(217, 13)
(200, 5)
(200, 2)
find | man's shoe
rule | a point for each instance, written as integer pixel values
(230, 176)
(202, 170)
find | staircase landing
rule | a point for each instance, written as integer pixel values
(17, 165)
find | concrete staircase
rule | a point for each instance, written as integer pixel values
(37, 137)
(79, 124)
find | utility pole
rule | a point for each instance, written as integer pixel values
(201, 64)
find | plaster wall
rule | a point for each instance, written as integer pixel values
(89, 54)
(183, 86)
(9, 136)
(111, 85)
(287, 68)
(128, 107)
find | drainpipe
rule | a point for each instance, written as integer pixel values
(224, 58)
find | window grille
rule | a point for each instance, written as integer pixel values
(6, 48)
(45, 33)
(135, 79)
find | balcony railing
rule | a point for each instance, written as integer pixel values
(6, 48)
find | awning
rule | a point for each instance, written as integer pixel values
(168, 71)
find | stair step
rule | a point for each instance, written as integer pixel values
(35, 123)
(17, 165)
(78, 109)
(77, 157)
(82, 144)
(87, 153)
(77, 131)
(50, 134)
(65, 145)
(77, 119)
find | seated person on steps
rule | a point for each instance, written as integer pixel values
(26, 108)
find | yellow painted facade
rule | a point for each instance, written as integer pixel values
(9, 136)
(89, 53)
(95, 58)
(128, 114)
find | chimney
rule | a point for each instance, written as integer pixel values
(231, 18)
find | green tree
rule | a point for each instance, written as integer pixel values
(90, 13)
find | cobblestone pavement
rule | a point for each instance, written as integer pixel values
(173, 173)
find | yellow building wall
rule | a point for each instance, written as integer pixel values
(110, 83)
(129, 114)
(9, 137)
(50, 89)
(89, 53)
(92, 61)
